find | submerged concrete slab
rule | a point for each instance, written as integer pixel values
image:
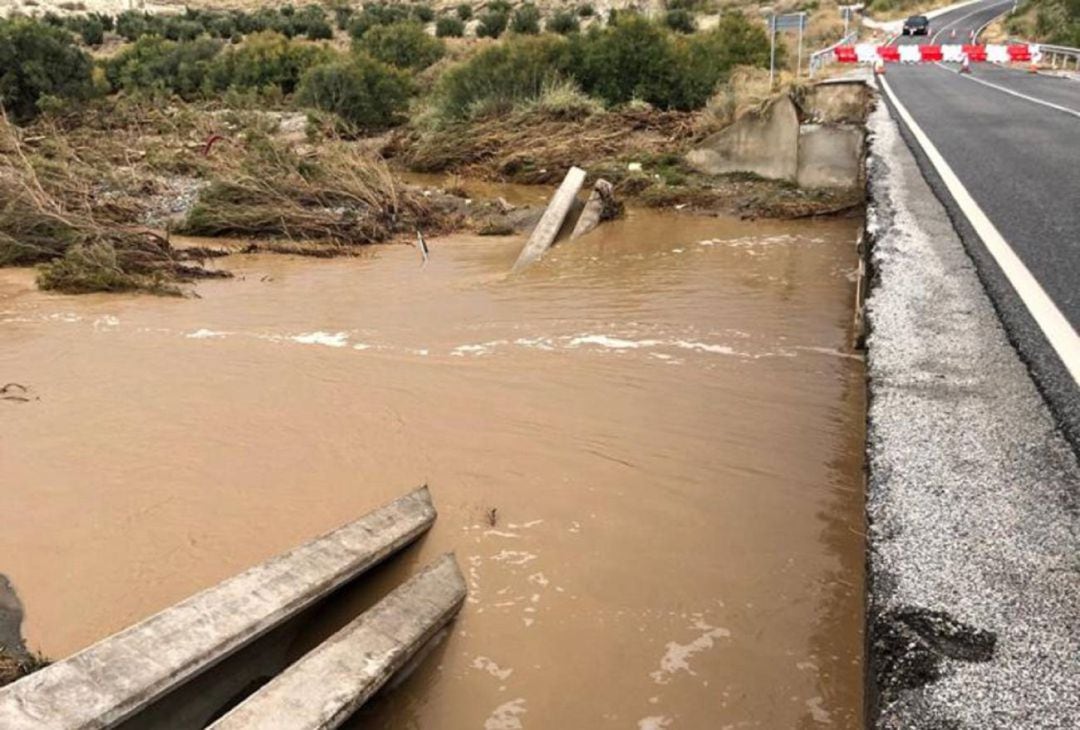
(765, 143)
(601, 200)
(548, 228)
(115, 678)
(331, 682)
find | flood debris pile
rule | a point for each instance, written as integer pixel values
(335, 193)
(51, 216)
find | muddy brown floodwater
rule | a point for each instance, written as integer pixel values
(666, 416)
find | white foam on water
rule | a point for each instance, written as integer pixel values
(539, 579)
(539, 343)
(205, 334)
(677, 656)
(507, 716)
(513, 557)
(107, 320)
(819, 713)
(613, 343)
(327, 339)
(481, 348)
(485, 664)
(654, 722)
(705, 347)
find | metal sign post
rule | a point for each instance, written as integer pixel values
(791, 21)
(772, 49)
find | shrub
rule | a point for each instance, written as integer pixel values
(365, 93)
(680, 21)
(492, 24)
(631, 59)
(319, 30)
(464, 11)
(404, 45)
(38, 61)
(563, 23)
(423, 13)
(500, 76)
(266, 61)
(342, 16)
(526, 20)
(380, 14)
(154, 63)
(586, 10)
(89, 27)
(689, 5)
(131, 25)
(449, 27)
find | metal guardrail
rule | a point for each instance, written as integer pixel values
(1061, 54)
(819, 59)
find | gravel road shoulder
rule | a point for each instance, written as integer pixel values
(973, 491)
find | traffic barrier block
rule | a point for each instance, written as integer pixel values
(975, 53)
(930, 54)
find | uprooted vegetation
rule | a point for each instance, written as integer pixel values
(50, 215)
(336, 194)
(72, 209)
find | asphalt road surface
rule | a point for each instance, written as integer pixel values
(1012, 138)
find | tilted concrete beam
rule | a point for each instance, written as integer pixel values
(548, 228)
(327, 685)
(115, 678)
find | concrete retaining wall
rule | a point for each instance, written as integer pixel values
(764, 143)
(827, 153)
(830, 156)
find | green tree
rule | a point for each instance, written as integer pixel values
(526, 20)
(365, 93)
(404, 45)
(266, 60)
(449, 26)
(563, 23)
(154, 63)
(37, 61)
(680, 21)
(492, 24)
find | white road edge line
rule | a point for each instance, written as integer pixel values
(1025, 97)
(1057, 330)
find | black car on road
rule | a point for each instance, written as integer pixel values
(917, 25)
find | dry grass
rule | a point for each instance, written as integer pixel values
(747, 89)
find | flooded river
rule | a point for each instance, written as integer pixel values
(665, 417)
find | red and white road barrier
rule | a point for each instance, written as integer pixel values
(929, 53)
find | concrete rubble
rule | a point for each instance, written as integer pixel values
(123, 674)
(326, 686)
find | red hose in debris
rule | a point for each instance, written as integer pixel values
(210, 143)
